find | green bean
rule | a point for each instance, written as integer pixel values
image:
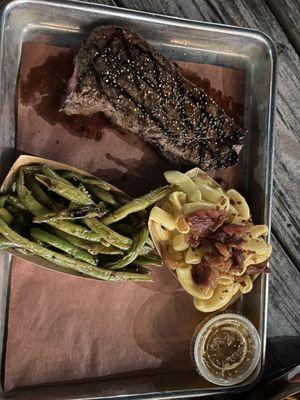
(132, 230)
(67, 191)
(6, 216)
(103, 195)
(5, 244)
(40, 242)
(37, 209)
(31, 168)
(90, 211)
(85, 179)
(23, 251)
(141, 270)
(62, 245)
(34, 168)
(38, 192)
(150, 259)
(3, 199)
(77, 230)
(15, 202)
(53, 174)
(110, 236)
(135, 205)
(66, 261)
(26, 197)
(91, 247)
(83, 189)
(133, 252)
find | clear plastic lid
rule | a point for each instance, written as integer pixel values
(226, 348)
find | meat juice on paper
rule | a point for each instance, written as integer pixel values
(63, 328)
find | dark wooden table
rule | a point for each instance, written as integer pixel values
(280, 20)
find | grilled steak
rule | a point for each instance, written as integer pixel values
(120, 74)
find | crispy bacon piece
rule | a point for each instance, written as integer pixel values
(193, 240)
(205, 221)
(223, 249)
(232, 229)
(225, 238)
(204, 275)
(228, 234)
(202, 223)
(237, 259)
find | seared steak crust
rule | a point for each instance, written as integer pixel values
(121, 75)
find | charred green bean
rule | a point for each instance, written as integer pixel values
(138, 204)
(26, 198)
(109, 235)
(150, 259)
(67, 191)
(5, 244)
(74, 176)
(90, 211)
(63, 245)
(15, 202)
(38, 192)
(3, 199)
(6, 216)
(133, 252)
(37, 209)
(103, 195)
(66, 261)
(91, 247)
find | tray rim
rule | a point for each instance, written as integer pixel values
(8, 6)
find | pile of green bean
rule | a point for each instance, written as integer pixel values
(78, 223)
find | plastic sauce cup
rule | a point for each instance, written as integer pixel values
(225, 348)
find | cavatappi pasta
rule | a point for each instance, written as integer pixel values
(206, 236)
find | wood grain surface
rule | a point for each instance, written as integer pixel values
(287, 13)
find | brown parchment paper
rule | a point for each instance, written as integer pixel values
(61, 327)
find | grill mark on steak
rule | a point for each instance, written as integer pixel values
(115, 87)
(142, 92)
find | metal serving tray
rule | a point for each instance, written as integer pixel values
(65, 24)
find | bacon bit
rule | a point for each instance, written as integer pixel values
(205, 221)
(202, 223)
(237, 260)
(204, 275)
(222, 249)
(256, 269)
(225, 238)
(234, 229)
(193, 240)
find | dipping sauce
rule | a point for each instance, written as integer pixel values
(226, 349)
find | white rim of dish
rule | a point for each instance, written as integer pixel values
(203, 370)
